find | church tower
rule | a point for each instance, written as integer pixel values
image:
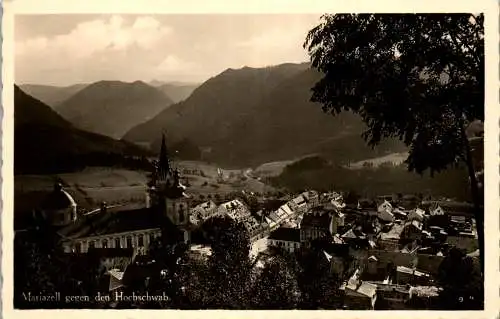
(166, 194)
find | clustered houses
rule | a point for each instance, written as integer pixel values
(395, 252)
(386, 252)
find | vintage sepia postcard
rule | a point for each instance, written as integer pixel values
(334, 159)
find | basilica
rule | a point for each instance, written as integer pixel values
(163, 214)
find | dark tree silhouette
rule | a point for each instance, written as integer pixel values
(460, 277)
(318, 285)
(229, 265)
(276, 286)
(416, 77)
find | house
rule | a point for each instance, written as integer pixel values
(271, 223)
(412, 230)
(400, 213)
(436, 210)
(373, 270)
(359, 295)
(385, 206)
(312, 198)
(115, 280)
(317, 224)
(203, 211)
(299, 204)
(392, 297)
(416, 214)
(389, 240)
(411, 276)
(384, 212)
(285, 238)
(424, 297)
(254, 228)
(235, 209)
(423, 262)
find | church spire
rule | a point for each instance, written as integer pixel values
(164, 162)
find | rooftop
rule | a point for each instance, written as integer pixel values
(58, 199)
(424, 291)
(286, 234)
(393, 233)
(113, 221)
(320, 220)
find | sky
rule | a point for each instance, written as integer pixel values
(66, 49)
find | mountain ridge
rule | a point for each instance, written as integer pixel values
(112, 107)
(50, 94)
(45, 142)
(249, 116)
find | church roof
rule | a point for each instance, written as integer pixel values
(113, 221)
(58, 199)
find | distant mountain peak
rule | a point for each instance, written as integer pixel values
(113, 107)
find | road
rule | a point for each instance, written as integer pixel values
(258, 247)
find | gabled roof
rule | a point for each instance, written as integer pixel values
(327, 255)
(116, 273)
(350, 234)
(415, 223)
(115, 221)
(286, 209)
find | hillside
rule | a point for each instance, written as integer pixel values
(215, 106)
(52, 95)
(111, 107)
(250, 116)
(45, 142)
(177, 92)
(317, 173)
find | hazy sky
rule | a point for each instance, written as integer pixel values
(68, 49)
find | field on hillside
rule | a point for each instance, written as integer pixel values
(395, 158)
(89, 187)
(275, 168)
(93, 185)
(210, 183)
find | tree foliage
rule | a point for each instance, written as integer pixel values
(416, 77)
(276, 286)
(419, 78)
(319, 286)
(229, 266)
(460, 277)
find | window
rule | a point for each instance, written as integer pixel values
(104, 243)
(141, 240)
(91, 244)
(129, 242)
(118, 243)
(78, 247)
